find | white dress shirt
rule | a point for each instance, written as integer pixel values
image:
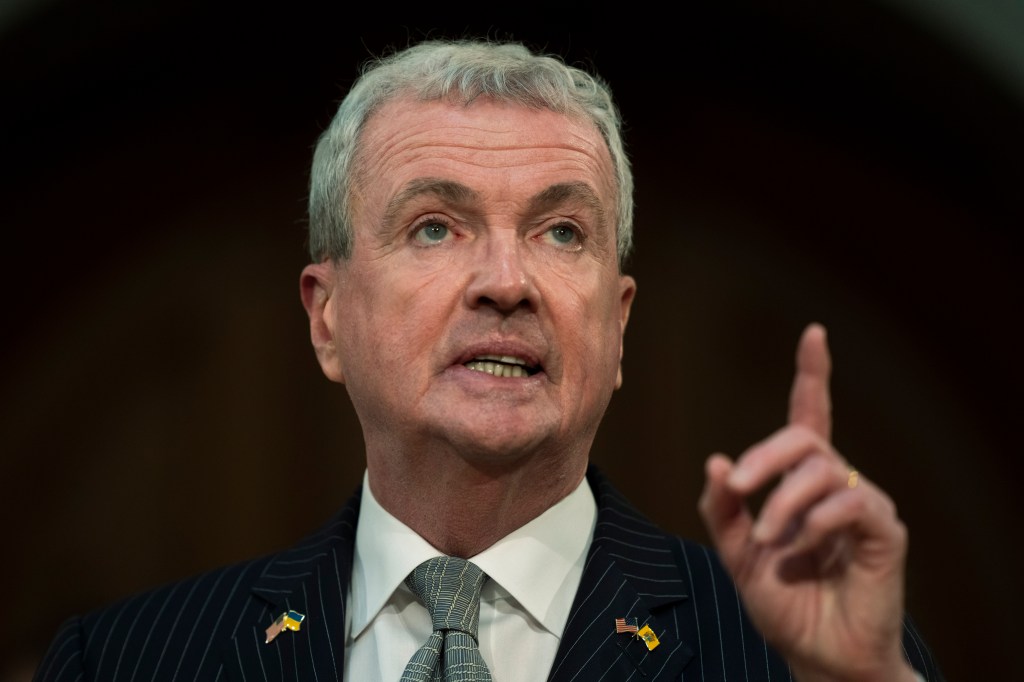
(533, 573)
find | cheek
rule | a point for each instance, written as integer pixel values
(589, 321)
(398, 310)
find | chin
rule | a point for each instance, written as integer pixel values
(498, 450)
(488, 443)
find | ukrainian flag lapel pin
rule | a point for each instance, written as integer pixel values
(289, 620)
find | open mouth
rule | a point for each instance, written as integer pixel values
(502, 366)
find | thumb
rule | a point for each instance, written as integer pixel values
(726, 517)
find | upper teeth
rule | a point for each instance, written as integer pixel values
(499, 365)
(507, 359)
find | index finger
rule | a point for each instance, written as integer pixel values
(810, 403)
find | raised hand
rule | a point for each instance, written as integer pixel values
(821, 567)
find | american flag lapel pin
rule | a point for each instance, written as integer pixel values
(289, 620)
(626, 625)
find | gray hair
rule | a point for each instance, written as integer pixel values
(458, 71)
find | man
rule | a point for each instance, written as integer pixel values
(471, 205)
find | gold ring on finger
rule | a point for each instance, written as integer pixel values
(852, 479)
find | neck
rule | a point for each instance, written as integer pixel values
(482, 502)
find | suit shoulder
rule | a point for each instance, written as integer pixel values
(112, 641)
(178, 630)
(173, 626)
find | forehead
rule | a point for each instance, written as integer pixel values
(497, 148)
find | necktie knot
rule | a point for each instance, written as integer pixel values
(450, 589)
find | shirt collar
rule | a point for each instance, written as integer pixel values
(386, 552)
(539, 564)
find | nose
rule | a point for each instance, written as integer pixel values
(500, 277)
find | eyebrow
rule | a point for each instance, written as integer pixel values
(448, 190)
(566, 192)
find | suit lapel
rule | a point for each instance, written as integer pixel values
(630, 573)
(312, 579)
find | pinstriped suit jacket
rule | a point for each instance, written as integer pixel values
(211, 627)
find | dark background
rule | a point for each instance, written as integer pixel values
(856, 162)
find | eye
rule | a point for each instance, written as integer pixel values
(564, 236)
(432, 231)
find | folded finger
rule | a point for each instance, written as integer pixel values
(773, 457)
(806, 484)
(865, 515)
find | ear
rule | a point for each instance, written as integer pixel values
(317, 289)
(627, 291)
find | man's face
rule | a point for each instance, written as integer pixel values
(482, 306)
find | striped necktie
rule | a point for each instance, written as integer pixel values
(450, 589)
